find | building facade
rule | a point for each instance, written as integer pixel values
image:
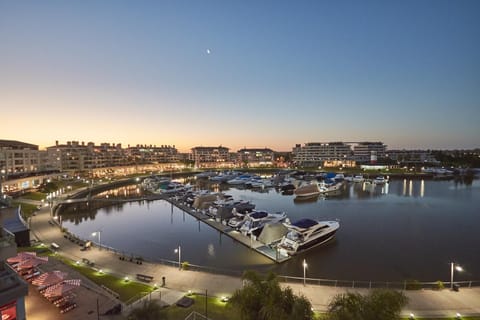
(20, 158)
(210, 156)
(152, 154)
(255, 157)
(315, 153)
(412, 157)
(369, 152)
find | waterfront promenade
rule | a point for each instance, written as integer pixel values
(428, 303)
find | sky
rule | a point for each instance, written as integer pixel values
(241, 73)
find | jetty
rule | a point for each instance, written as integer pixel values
(269, 251)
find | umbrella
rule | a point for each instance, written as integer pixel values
(49, 278)
(21, 256)
(31, 262)
(59, 289)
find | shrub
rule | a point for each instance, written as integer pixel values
(440, 285)
(185, 265)
(413, 285)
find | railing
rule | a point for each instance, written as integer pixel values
(401, 285)
(195, 315)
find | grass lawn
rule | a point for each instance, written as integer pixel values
(216, 309)
(27, 208)
(33, 196)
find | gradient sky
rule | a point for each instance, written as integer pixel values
(278, 73)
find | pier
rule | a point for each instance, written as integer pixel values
(259, 247)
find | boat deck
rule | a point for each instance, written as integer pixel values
(250, 242)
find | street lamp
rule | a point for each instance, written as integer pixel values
(304, 271)
(95, 234)
(179, 251)
(452, 268)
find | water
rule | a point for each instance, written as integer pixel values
(408, 229)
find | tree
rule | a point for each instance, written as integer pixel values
(150, 310)
(378, 305)
(262, 298)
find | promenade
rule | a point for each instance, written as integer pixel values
(424, 303)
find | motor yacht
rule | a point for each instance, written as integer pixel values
(305, 234)
(256, 220)
(380, 180)
(307, 190)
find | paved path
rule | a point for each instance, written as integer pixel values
(427, 303)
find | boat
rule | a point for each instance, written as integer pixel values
(206, 174)
(224, 176)
(305, 234)
(358, 179)
(240, 179)
(256, 220)
(307, 190)
(380, 180)
(330, 187)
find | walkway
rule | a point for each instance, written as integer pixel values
(426, 303)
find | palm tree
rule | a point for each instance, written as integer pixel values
(262, 298)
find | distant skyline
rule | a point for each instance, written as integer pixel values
(241, 74)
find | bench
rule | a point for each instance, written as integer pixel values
(144, 278)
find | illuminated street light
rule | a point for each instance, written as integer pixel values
(304, 271)
(179, 251)
(95, 234)
(452, 268)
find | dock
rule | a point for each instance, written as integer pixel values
(259, 247)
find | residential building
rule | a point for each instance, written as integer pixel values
(315, 153)
(369, 152)
(152, 154)
(210, 156)
(412, 157)
(255, 157)
(20, 158)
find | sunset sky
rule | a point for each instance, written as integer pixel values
(241, 73)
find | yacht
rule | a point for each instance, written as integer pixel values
(358, 179)
(307, 190)
(306, 233)
(256, 220)
(240, 179)
(330, 187)
(380, 180)
(206, 174)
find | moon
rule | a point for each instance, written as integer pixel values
(208, 51)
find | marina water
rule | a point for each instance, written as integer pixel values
(407, 229)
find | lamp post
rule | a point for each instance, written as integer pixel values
(304, 271)
(453, 267)
(99, 232)
(179, 251)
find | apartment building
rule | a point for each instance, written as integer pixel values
(19, 158)
(152, 154)
(255, 157)
(315, 153)
(210, 156)
(368, 152)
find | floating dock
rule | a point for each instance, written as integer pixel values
(266, 250)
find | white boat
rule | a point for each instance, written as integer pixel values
(307, 190)
(256, 220)
(206, 174)
(240, 179)
(380, 180)
(305, 234)
(330, 187)
(358, 179)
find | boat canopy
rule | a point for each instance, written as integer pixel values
(272, 232)
(258, 214)
(304, 223)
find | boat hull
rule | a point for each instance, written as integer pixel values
(310, 244)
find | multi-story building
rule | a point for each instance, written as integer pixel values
(152, 154)
(412, 157)
(315, 153)
(255, 157)
(368, 152)
(20, 158)
(210, 156)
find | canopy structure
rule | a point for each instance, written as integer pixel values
(32, 262)
(21, 256)
(59, 289)
(49, 278)
(272, 232)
